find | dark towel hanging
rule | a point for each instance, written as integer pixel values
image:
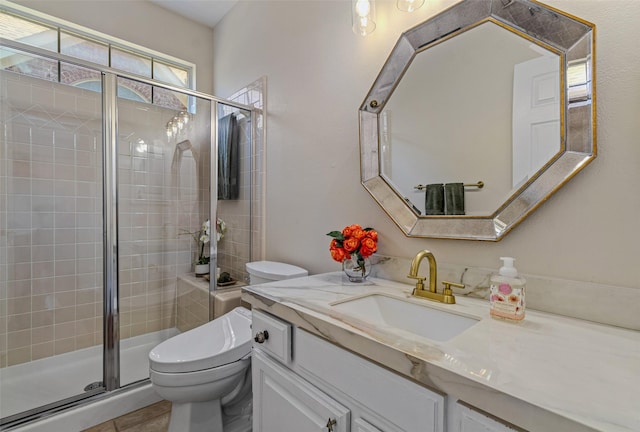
(454, 199)
(228, 158)
(434, 199)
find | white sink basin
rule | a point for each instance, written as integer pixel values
(405, 314)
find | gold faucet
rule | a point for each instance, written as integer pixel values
(431, 294)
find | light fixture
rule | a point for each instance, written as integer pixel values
(363, 15)
(178, 124)
(184, 116)
(409, 5)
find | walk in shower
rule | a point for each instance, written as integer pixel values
(101, 175)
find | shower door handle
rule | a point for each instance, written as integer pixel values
(261, 336)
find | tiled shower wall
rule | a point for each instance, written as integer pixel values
(50, 219)
(244, 216)
(163, 197)
(51, 216)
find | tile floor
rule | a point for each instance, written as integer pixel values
(154, 418)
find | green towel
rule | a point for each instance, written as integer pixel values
(454, 199)
(434, 199)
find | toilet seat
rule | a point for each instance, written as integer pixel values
(222, 341)
(184, 379)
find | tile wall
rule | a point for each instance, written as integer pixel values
(51, 216)
(50, 219)
(244, 217)
(163, 196)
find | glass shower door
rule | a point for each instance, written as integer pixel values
(50, 234)
(164, 151)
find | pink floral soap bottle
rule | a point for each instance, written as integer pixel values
(507, 292)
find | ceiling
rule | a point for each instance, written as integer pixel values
(207, 12)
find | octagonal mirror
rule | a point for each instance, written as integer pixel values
(477, 117)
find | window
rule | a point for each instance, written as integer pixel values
(29, 32)
(131, 62)
(32, 28)
(578, 80)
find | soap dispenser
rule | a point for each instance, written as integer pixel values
(507, 292)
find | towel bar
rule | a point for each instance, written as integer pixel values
(478, 185)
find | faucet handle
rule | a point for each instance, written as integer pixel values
(447, 295)
(448, 285)
(419, 282)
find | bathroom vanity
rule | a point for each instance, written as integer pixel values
(328, 386)
(334, 356)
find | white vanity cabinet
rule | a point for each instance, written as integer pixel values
(321, 387)
(284, 402)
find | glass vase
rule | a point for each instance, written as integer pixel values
(357, 271)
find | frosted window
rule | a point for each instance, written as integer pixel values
(170, 74)
(94, 48)
(83, 48)
(28, 32)
(130, 62)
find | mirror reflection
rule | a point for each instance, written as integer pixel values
(471, 121)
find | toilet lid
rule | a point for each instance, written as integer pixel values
(224, 340)
(275, 270)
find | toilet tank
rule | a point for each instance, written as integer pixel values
(269, 271)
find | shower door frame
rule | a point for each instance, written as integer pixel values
(111, 309)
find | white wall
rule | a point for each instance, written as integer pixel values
(142, 23)
(318, 74)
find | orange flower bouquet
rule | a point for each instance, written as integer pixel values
(354, 243)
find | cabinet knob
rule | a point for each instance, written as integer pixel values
(261, 336)
(330, 424)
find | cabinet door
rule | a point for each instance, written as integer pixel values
(284, 402)
(361, 425)
(474, 421)
(400, 404)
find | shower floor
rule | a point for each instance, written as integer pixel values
(40, 382)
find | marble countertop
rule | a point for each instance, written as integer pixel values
(546, 373)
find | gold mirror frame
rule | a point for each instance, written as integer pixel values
(572, 38)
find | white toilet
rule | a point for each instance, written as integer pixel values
(205, 372)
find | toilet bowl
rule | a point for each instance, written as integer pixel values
(205, 373)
